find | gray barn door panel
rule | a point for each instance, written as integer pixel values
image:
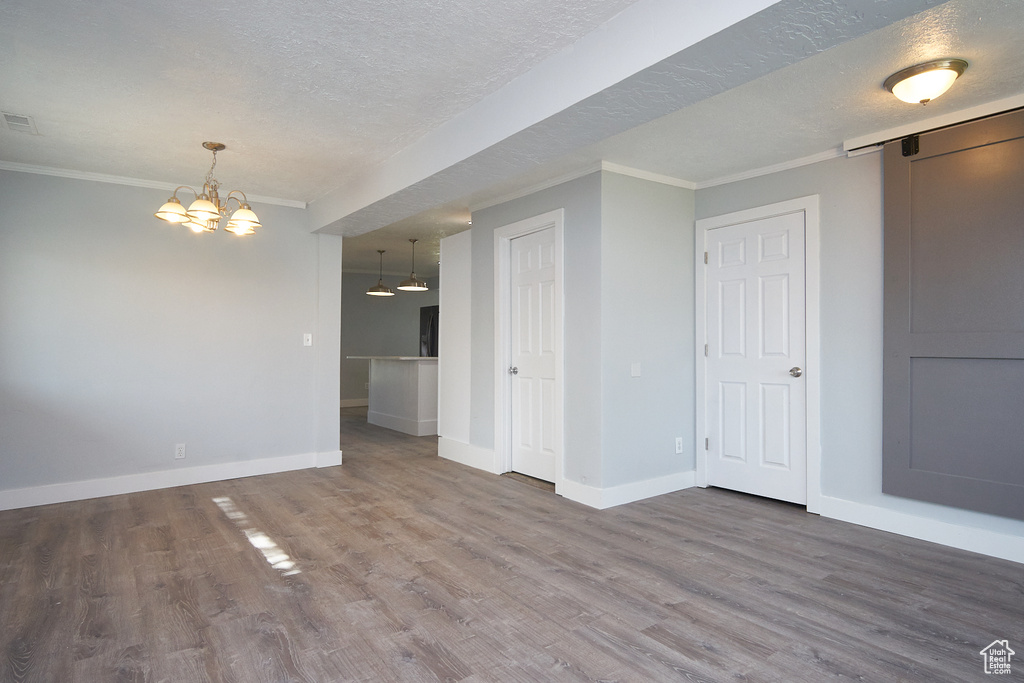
(953, 430)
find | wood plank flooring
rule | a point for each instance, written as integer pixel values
(400, 566)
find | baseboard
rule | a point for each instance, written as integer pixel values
(11, 499)
(467, 454)
(328, 459)
(992, 543)
(354, 402)
(403, 424)
(625, 493)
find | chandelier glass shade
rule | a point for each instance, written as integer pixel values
(204, 214)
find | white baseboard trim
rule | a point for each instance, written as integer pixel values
(354, 402)
(403, 424)
(11, 499)
(625, 493)
(328, 459)
(992, 543)
(467, 454)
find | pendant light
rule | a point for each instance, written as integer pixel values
(922, 83)
(413, 284)
(379, 289)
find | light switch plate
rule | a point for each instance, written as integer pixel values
(307, 339)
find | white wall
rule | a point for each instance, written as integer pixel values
(851, 353)
(377, 326)
(122, 335)
(455, 343)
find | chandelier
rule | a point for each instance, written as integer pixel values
(204, 214)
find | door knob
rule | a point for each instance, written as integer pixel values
(796, 372)
(513, 370)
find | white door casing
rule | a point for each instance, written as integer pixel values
(757, 314)
(528, 336)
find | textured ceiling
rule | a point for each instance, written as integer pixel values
(814, 105)
(304, 93)
(804, 109)
(314, 99)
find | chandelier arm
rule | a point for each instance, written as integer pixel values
(185, 187)
(242, 203)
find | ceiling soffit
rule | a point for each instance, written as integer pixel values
(783, 34)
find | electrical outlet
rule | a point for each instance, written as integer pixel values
(179, 452)
(366, 386)
(679, 444)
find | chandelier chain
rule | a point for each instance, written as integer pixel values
(210, 180)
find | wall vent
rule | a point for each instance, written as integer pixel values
(19, 123)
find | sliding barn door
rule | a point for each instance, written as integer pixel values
(954, 317)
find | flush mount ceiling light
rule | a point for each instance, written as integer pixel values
(204, 214)
(413, 284)
(379, 289)
(923, 83)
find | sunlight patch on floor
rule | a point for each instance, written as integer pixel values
(275, 557)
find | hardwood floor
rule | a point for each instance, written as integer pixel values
(400, 566)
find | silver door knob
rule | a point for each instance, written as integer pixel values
(796, 372)
(513, 370)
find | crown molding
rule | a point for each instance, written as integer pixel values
(774, 168)
(579, 173)
(132, 182)
(647, 175)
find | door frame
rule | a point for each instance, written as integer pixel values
(503, 344)
(812, 323)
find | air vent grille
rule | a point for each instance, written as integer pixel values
(19, 123)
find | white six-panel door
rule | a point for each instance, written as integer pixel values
(755, 392)
(533, 348)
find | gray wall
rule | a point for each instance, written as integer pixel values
(581, 199)
(851, 324)
(624, 302)
(122, 335)
(377, 326)
(646, 317)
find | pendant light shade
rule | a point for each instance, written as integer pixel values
(202, 210)
(243, 221)
(922, 83)
(413, 284)
(379, 289)
(172, 212)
